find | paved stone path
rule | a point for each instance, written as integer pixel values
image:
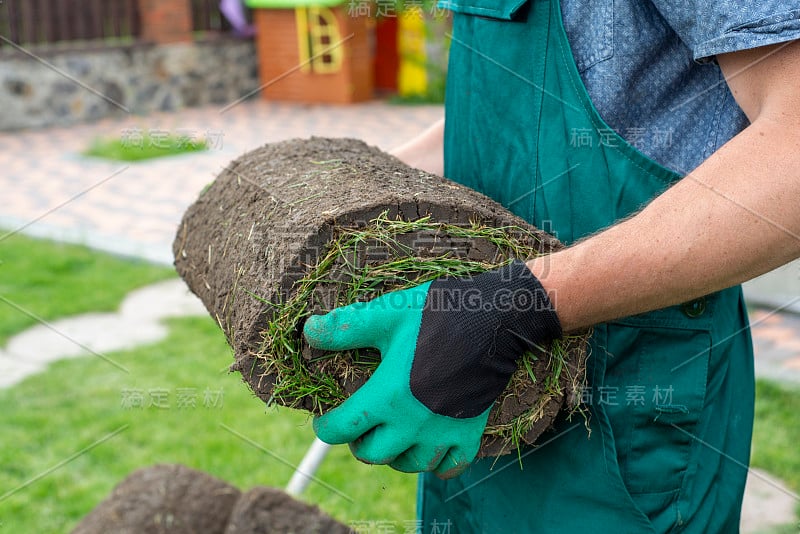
(137, 322)
(50, 190)
(776, 340)
(134, 208)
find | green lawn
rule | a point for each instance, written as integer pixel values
(776, 435)
(54, 280)
(51, 417)
(776, 439)
(144, 147)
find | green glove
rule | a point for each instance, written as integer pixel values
(448, 349)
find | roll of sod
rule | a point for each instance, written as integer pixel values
(302, 226)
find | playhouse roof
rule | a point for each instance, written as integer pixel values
(284, 4)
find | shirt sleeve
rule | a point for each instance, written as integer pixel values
(711, 27)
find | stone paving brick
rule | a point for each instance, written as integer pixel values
(142, 203)
(776, 343)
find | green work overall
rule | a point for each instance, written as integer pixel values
(671, 391)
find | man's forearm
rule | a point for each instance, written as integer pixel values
(733, 218)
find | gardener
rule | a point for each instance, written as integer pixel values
(663, 145)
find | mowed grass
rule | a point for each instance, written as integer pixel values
(51, 280)
(776, 436)
(143, 148)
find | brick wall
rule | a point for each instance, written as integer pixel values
(166, 21)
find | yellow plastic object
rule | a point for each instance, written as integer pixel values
(319, 40)
(412, 77)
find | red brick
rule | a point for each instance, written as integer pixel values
(166, 21)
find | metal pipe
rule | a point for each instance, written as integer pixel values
(308, 466)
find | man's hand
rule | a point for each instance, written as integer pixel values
(448, 349)
(425, 151)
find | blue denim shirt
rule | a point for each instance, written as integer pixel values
(647, 66)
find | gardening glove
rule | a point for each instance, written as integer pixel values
(448, 349)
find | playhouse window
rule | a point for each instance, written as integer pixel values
(319, 40)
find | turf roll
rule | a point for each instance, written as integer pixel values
(299, 227)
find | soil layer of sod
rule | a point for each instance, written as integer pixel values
(174, 499)
(299, 227)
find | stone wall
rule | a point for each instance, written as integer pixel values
(85, 85)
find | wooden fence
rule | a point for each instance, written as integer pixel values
(207, 16)
(31, 22)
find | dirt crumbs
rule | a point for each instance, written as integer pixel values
(174, 499)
